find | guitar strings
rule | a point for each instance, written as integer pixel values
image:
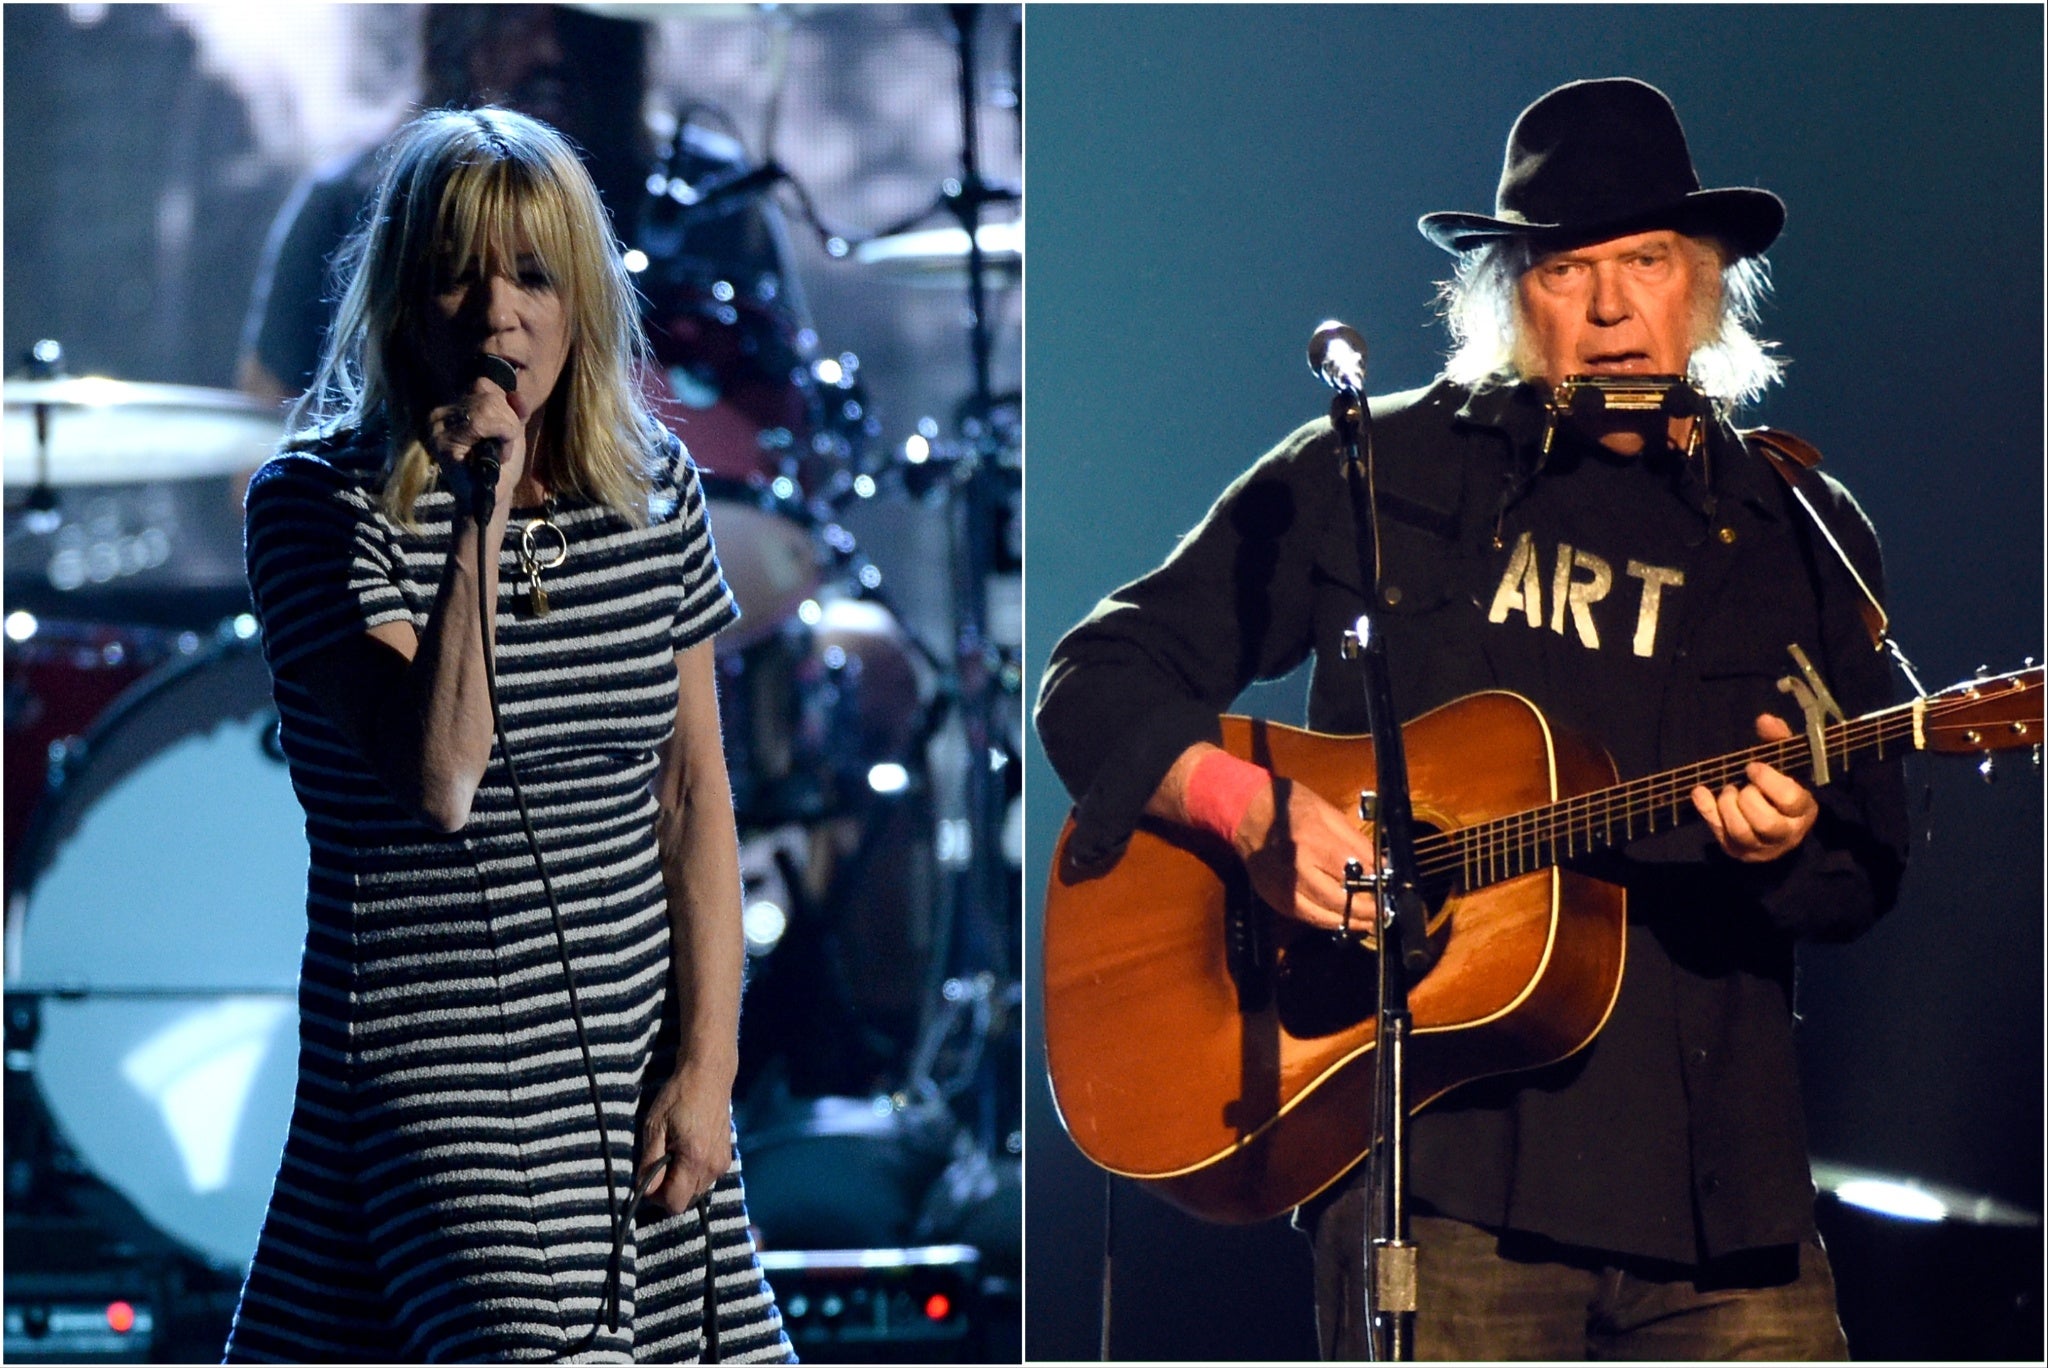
(1516, 843)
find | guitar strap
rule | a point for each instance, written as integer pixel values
(1795, 459)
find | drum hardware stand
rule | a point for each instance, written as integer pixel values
(975, 475)
(976, 894)
(1337, 354)
(980, 658)
(45, 361)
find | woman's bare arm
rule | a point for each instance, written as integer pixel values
(415, 704)
(690, 1120)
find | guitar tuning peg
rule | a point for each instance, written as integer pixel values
(2037, 759)
(1986, 769)
(1983, 672)
(2027, 662)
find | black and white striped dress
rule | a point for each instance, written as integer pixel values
(442, 1194)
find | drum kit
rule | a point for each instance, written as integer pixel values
(155, 857)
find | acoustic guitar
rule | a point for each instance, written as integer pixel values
(1221, 1052)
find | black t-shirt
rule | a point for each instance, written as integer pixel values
(1595, 561)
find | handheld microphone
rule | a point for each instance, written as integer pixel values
(1337, 353)
(483, 457)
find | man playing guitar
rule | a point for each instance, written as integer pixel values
(1636, 571)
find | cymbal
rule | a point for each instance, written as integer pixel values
(939, 255)
(104, 432)
(647, 11)
(1914, 1199)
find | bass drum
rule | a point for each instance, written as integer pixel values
(60, 677)
(160, 923)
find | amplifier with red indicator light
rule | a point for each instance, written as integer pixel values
(71, 1330)
(915, 1305)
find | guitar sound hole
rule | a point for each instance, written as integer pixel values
(1327, 982)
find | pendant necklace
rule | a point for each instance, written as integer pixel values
(542, 546)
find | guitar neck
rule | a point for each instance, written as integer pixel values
(1606, 818)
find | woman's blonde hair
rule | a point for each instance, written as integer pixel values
(472, 189)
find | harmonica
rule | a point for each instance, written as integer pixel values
(1583, 396)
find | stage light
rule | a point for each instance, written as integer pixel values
(827, 370)
(21, 625)
(888, 777)
(917, 449)
(634, 260)
(763, 923)
(120, 1317)
(1892, 1199)
(937, 1306)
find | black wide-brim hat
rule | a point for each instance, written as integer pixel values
(1599, 159)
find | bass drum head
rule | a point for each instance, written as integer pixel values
(162, 926)
(60, 679)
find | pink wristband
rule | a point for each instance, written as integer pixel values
(1220, 788)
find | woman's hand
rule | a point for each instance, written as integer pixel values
(485, 413)
(690, 1121)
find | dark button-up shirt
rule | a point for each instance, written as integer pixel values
(1678, 1134)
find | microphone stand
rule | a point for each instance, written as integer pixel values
(1338, 355)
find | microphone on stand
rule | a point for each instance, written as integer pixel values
(1336, 353)
(484, 456)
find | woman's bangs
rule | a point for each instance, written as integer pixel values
(493, 215)
(475, 232)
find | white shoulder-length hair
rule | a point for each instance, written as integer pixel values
(1481, 305)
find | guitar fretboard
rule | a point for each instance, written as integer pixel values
(1488, 852)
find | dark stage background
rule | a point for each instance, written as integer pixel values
(1210, 182)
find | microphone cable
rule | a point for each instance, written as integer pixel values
(610, 1294)
(485, 499)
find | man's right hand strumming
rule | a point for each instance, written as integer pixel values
(1293, 841)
